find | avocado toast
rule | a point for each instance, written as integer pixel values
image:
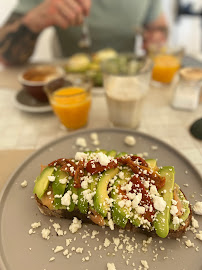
(114, 189)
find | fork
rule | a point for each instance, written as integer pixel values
(85, 41)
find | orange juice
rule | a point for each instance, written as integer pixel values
(165, 67)
(71, 105)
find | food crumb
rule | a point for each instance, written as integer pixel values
(24, 184)
(111, 266)
(198, 208)
(45, 233)
(58, 249)
(154, 147)
(51, 259)
(75, 226)
(81, 142)
(35, 225)
(199, 235)
(185, 185)
(130, 140)
(189, 243)
(145, 264)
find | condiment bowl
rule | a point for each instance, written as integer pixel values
(34, 79)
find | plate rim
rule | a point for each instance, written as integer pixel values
(74, 134)
(26, 108)
(97, 130)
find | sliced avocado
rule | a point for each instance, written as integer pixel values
(152, 163)
(58, 188)
(74, 191)
(121, 154)
(78, 63)
(100, 200)
(102, 151)
(82, 202)
(185, 214)
(162, 220)
(111, 153)
(93, 184)
(42, 182)
(135, 219)
(120, 214)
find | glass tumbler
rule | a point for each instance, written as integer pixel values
(70, 100)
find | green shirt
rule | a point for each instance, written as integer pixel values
(111, 23)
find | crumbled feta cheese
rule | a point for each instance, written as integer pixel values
(63, 181)
(45, 233)
(121, 175)
(94, 136)
(128, 203)
(198, 208)
(189, 243)
(75, 198)
(96, 142)
(84, 184)
(35, 225)
(145, 264)
(136, 200)
(80, 156)
(159, 203)
(68, 242)
(107, 242)
(51, 178)
(58, 249)
(199, 235)
(24, 184)
(116, 241)
(66, 199)
(81, 142)
(31, 231)
(79, 250)
(153, 190)
(154, 147)
(121, 203)
(195, 223)
(103, 159)
(176, 220)
(173, 210)
(111, 266)
(111, 224)
(140, 210)
(130, 140)
(75, 226)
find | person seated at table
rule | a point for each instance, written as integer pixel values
(111, 24)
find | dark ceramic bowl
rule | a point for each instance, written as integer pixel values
(35, 78)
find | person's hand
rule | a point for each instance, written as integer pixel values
(62, 13)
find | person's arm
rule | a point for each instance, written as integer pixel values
(18, 36)
(17, 41)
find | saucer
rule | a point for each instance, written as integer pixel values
(27, 103)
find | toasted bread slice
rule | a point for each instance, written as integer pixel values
(63, 213)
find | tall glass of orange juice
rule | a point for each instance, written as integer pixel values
(165, 67)
(71, 101)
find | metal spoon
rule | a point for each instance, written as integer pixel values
(85, 41)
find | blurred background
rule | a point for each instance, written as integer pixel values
(184, 18)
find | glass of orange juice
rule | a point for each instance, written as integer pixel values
(165, 65)
(70, 100)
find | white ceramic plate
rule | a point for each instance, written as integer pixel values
(27, 103)
(19, 250)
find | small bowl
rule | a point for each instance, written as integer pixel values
(35, 78)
